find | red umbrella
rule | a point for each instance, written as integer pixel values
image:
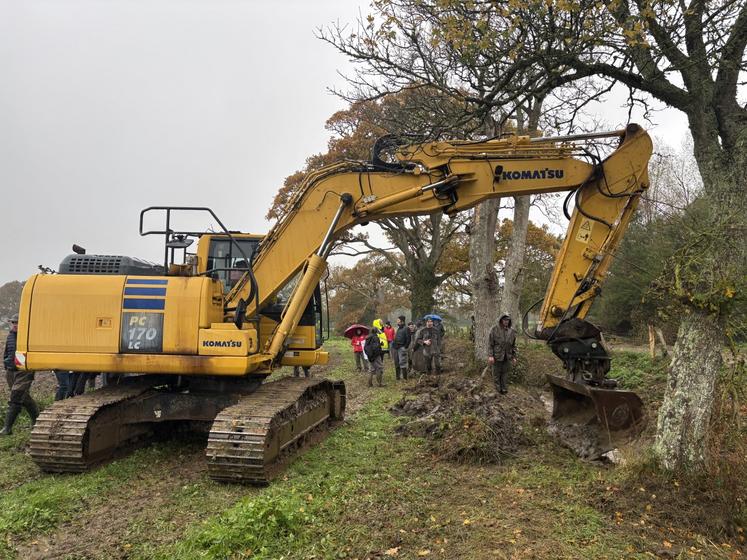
(350, 331)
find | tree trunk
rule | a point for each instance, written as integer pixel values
(514, 271)
(712, 256)
(662, 340)
(651, 341)
(423, 284)
(513, 274)
(482, 272)
(683, 427)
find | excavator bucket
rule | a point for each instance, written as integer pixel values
(603, 418)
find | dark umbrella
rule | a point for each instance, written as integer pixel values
(433, 316)
(350, 331)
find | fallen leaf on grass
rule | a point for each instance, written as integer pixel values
(667, 544)
(466, 522)
(392, 551)
(424, 552)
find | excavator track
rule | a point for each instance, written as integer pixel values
(248, 439)
(74, 434)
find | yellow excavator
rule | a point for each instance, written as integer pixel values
(193, 342)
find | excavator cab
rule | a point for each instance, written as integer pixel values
(226, 257)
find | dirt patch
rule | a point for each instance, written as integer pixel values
(101, 531)
(465, 419)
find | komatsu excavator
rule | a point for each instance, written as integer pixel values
(197, 339)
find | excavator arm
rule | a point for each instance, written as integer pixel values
(452, 177)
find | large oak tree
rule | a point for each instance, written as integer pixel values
(687, 55)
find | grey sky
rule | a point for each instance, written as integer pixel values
(109, 106)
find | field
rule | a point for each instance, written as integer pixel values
(364, 492)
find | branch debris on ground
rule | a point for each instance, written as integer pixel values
(466, 419)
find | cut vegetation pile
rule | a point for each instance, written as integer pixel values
(466, 420)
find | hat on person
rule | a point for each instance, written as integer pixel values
(14, 318)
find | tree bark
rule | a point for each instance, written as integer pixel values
(662, 340)
(482, 273)
(423, 284)
(712, 257)
(514, 271)
(651, 341)
(683, 426)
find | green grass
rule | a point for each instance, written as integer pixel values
(41, 505)
(636, 370)
(298, 516)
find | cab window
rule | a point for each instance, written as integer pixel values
(224, 255)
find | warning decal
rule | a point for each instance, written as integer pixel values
(584, 231)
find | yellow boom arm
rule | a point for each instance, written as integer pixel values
(452, 177)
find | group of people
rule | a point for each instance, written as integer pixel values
(411, 347)
(419, 347)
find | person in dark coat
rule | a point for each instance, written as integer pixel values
(19, 382)
(502, 352)
(400, 346)
(63, 384)
(429, 339)
(373, 347)
(411, 349)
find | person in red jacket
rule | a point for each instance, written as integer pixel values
(390, 332)
(361, 364)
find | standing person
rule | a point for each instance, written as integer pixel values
(502, 349)
(19, 383)
(78, 381)
(63, 384)
(429, 339)
(389, 332)
(438, 324)
(375, 353)
(411, 347)
(400, 346)
(379, 326)
(356, 341)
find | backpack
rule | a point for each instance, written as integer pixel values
(372, 347)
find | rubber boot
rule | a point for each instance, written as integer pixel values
(396, 371)
(10, 418)
(370, 379)
(404, 373)
(380, 379)
(32, 409)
